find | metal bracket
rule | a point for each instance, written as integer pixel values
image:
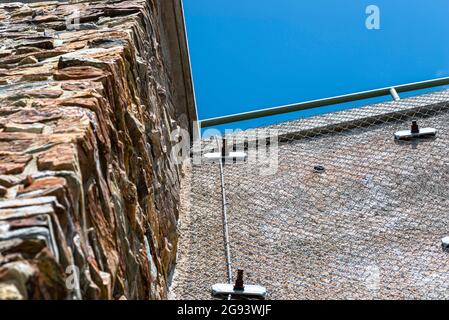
(223, 290)
(239, 289)
(216, 156)
(415, 132)
(225, 154)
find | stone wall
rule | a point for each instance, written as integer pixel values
(89, 195)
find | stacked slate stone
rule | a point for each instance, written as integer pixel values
(88, 194)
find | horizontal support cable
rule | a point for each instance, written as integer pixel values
(323, 102)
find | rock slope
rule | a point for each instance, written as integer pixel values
(88, 193)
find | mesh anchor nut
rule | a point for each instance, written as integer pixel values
(319, 169)
(239, 285)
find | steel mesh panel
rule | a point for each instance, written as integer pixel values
(201, 259)
(368, 227)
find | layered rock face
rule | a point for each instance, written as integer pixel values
(88, 189)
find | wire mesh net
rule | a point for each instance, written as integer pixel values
(346, 212)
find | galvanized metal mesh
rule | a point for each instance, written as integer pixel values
(349, 213)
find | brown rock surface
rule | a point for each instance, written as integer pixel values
(89, 196)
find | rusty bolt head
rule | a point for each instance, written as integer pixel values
(415, 127)
(239, 285)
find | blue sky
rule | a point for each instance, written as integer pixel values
(253, 54)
